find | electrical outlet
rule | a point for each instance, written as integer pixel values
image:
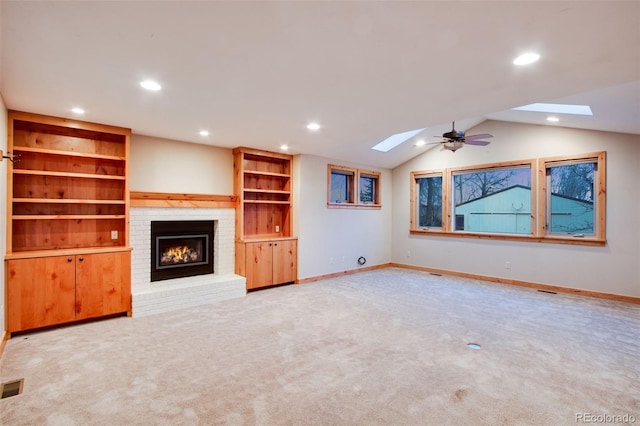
(507, 265)
(408, 253)
(330, 260)
(114, 234)
(277, 228)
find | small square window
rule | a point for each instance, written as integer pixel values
(369, 187)
(341, 185)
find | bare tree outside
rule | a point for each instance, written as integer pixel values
(572, 197)
(574, 181)
(470, 186)
(430, 202)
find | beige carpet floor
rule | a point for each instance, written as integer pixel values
(386, 347)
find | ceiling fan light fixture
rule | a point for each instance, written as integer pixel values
(453, 146)
(526, 58)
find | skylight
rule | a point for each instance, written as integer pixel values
(557, 108)
(395, 140)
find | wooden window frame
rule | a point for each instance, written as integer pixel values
(538, 202)
(353, 187)
(413, 221)
(375, 176)
(493, 167)
(600, 185)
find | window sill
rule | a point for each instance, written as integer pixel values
(353, 206)
(582, 241)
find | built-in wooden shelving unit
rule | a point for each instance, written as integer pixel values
(68, 255)
(266, 250)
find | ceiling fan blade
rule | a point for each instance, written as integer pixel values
(479, 136)
(476, 142)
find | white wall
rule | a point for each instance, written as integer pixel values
(613, 268)
(163, 165)
(327, 236)
(3, 204)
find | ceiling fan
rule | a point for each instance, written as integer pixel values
(454, 140)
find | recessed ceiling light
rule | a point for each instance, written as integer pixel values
(151, 85)
(284, 147)
(557, 108)
(526, 58)
(553, 119)
(313, 126)
(204, 133)
(421, 142)
(77, 110)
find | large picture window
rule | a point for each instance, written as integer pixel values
(547, 200)
(494, 200)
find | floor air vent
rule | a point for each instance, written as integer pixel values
(13, 388)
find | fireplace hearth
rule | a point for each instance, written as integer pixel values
(181, 249)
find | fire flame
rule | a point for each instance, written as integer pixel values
(179, 254)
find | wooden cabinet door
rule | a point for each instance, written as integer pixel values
(40, 292)
(285, 261)
(259, 258)
(103, 284)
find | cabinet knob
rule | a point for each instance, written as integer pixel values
(275, 244)
(81, 259)
(69, 259)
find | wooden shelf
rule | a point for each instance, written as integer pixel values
(67, 216)
(259, 173)
(66, 174)
(65, 201)
(266, 191)
(67, 153)
(266, 202)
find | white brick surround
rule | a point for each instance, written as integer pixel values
(168, 295)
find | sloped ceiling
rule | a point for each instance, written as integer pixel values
(255, 73)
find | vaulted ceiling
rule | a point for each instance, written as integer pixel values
(255, 73)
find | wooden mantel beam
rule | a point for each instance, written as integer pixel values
(165, 199)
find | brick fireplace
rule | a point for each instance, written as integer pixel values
(152, 297)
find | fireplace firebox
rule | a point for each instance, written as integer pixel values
(181, 249)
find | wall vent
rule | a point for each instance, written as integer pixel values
(12, 388)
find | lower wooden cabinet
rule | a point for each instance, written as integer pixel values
(268, 262)
(45, 291)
